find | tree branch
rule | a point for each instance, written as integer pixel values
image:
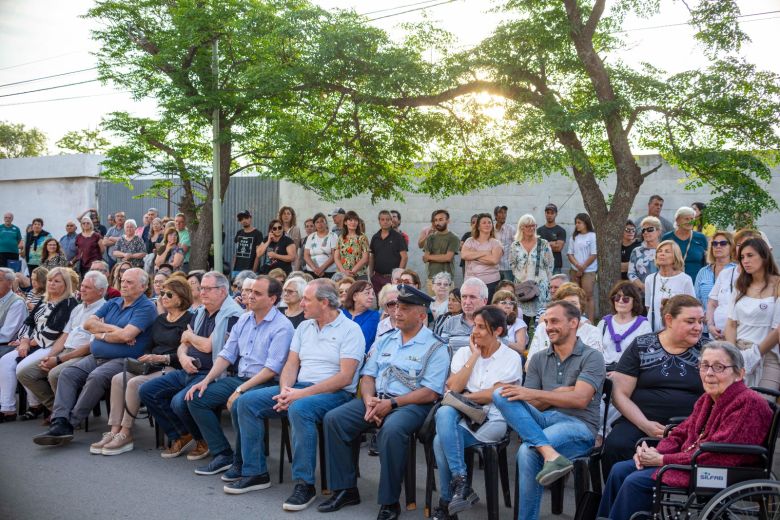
(644, 108)
(593, 19)
(651, 171)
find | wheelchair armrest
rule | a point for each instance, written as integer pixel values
(673, 421)
(667, 467)
(767, 391)
(736, 449)
(651, 441)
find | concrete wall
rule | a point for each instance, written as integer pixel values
(54, 188)
(520, 198)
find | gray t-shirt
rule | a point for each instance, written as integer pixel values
(455, 332)
(547, 372)
(113, 232)
(321, 350)
(668, 226)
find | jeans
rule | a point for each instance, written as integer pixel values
(566, 434)
(449, 444)
(164, 398)
(203, 410)
(627, 491)
(304, 414)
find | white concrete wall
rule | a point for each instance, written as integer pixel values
(54, 188)
(520, 198)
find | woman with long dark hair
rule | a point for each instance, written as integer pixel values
(290, 227)
(351, 254)
(582, 256)
(52, 255)
(482, 252)
(279, 249)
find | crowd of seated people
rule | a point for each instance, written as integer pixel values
(324, 349)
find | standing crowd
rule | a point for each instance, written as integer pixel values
(327, 328)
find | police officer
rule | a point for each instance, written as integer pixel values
(402, 377)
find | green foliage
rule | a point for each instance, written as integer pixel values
(18, 141)
(83, 141)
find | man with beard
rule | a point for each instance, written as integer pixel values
(556, 411)
(505, 233)
(440, 248)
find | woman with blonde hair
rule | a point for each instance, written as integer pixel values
(41, 329)
(670, 280)
(532, 262)
(642, 261)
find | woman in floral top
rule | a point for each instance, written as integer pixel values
(642, 262)
(351, 255)
(130, 248)
(525, 253)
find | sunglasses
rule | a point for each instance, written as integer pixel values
(630, 230)
(720, 243)
(648, 229)
(506, 302)
(276, 228)
(167, 294)
(618, 298)
(392, 303)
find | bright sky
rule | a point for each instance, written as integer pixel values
(46, 37)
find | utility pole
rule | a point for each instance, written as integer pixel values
(216, 201)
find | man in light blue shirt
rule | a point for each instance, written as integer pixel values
(258, 343)
(403, 375)
(320, 374)
(68, 241)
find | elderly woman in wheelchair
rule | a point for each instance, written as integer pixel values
(727, 412)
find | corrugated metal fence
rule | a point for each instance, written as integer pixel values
(259, 196)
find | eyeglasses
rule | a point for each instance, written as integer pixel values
(720, 243)
(392, 303)
(276, 228)
(441, 284)
(167, 294)
(507, 302)
(716, 367)
(207, 288)
(291, 292)
(630, 230)
(648, 229)
(618, 298)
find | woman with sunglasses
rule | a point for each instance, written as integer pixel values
(642, 261)
(517, 331)
(388, 301)
(753, 317)
(278, 251)
(627, 246)
(482, 253)
(625, 323)
(720, 256)
(160, 353)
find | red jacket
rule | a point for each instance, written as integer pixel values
(740, 416)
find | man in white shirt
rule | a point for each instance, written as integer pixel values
(12, 310)
(71, 346)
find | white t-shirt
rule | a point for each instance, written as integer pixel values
(504, 366)
(589, 335)
(437, 309)
(755, 318)
(582, 247)
(610, 354)
(659, 288)
(519, 324)
(321, 249)
(721, 292)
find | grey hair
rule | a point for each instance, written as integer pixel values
(733, 352)
(244, 275)
(220, 280)
(522, 221)
(8, 274)
(560, 276)
(326, 290)
(396, 273)
(144, 276)
(683, 211)
(443, 275)
(131, 221)
(476, 282)
(99, 279)
(247, 284)
(337, 277)
(300, 284)
(98, 262)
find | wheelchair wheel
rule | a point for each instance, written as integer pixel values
(755, 499)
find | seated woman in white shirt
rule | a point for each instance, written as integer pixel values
(670, 280)
(486, 364)
(625, 323)
(589, 334)
(517, 334)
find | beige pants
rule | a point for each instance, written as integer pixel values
(770, 374)
(43, 384)
(120, 398)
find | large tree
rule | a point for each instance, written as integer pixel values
(16, 140)
(571, 105)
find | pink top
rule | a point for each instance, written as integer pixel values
(486, 273)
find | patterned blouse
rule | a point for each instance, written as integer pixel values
(351, 250)
(523, 266)
(136, 245)
(642, 263)
(55, 261)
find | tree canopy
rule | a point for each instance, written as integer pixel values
(16, 140)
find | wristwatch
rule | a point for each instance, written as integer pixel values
(393, 403)
(239, 391)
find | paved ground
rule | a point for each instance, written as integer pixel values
(69, 483)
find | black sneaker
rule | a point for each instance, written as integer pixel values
(441, 512)
(303, 495)
(247, 484)
(463, 497)
(233, 474)
(61, 432)
(218, 464)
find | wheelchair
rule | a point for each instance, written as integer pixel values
(722, 492)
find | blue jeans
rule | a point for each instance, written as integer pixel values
(304, 414)
(627, 491)
(203, 410)
(449, 444)
(566, 434)
(164, 398)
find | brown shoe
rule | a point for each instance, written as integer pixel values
(201, 451)
(178, 447)
(96, 448)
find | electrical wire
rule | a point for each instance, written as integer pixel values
(410, 11)
(49, 88)
(47, 77)
(65, 98)
(397, 7)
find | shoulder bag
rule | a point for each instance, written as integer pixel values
(529, 290)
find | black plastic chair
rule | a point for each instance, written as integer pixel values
(410, 474)
(286, 447)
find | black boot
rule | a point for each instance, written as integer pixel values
(61, 432)
(442, 511)
(463, 497)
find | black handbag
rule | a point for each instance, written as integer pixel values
(137, 368)
(427, 431)
(473, 412)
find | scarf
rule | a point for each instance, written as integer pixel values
(618, 338)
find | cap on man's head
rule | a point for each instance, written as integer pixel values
(338, 211)
(551, 207)
(244, 214)
(413, 296)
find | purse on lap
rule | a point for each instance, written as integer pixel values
(471, 411)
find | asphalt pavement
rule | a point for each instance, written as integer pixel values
(68, 483)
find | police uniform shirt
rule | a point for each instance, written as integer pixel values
(408, 357)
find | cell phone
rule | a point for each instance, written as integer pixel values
(196, 363)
